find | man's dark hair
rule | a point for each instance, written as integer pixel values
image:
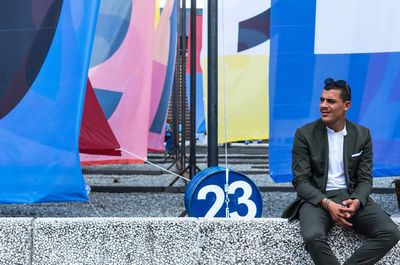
(345, 90)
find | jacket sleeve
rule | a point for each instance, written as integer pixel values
(363, 185)
(301, 169)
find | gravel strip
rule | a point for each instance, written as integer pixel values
(155, 205)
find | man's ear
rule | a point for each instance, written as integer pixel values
(347, 105)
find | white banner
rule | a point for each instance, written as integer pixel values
(357, 26)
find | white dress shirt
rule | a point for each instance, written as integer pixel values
(336, 177)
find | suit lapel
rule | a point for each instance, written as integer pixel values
(348, 148)
(322, 138)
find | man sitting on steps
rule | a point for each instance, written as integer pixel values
(332, 175)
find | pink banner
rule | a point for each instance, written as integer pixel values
(163, 73)
(126, 75)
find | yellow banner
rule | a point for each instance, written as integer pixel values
(243, 103)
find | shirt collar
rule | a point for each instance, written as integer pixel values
(343, 132)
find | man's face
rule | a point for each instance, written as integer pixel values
(333, 109)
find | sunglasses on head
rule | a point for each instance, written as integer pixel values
(331, 83)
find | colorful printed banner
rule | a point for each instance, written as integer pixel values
(243, 49)
(200, 118)
(163, 74)
(121, 68)
(307, 46)
(96, 136)
(44, 60)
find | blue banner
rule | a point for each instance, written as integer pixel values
(307, 46)
(200, 118)
(44, 60)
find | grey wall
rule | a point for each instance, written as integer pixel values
(15, 240)
(164, 241)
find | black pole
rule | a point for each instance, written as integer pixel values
(192, 159)
(212, 83)
(183, 84)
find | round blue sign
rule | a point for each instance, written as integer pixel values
(205, 195)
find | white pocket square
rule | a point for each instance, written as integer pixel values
(358, 154)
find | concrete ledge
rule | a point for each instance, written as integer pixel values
(115, 241)
(164, 241)
(272, 241)
(15, 240)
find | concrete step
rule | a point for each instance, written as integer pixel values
(166, 241)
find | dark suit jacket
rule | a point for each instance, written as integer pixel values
(310, 164)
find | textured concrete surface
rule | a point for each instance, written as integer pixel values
(115, 241)
(165, 241)
(272, 241)
(262, 241)
(15, 240)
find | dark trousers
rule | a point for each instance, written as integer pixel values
(370, 221)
